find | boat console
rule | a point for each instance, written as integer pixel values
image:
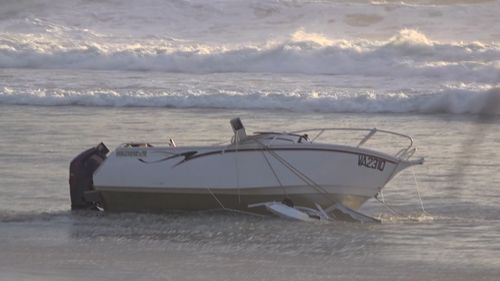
(238, 130)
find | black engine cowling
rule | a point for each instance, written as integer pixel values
(81, 171)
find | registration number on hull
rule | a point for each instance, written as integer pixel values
(131, 153)
(371, 162)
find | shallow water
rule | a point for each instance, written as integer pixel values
(224, 246)
(41, 239)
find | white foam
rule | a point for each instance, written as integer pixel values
(455, 101)
(248, 20)
(395, 44)
(407, 54)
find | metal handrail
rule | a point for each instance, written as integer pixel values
(369, 135)
(405, 152)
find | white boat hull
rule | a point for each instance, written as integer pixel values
(197, 178)
(263, 167)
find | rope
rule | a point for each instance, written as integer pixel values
(229, 209)
(389, 208)
(382, 195)
(297, 172)
(216, 199)
(275, 174)
(242, 212)
(394, 210)
(418, 192)
(237, 170)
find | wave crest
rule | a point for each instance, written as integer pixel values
(408, 54)
(454, 101)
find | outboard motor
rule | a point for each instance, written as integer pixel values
(81, 171)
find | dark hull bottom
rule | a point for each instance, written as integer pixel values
(136, 201)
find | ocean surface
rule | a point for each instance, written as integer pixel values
(75, 73)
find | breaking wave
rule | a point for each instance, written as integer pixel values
(407, 54)
(454, 101)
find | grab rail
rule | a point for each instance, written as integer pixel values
(406, 152)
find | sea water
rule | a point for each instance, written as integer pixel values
(74, 73)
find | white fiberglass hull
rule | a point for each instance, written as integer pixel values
(234, 176)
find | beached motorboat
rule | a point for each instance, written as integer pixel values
(247, 174)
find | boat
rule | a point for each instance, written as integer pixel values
(278, 172)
